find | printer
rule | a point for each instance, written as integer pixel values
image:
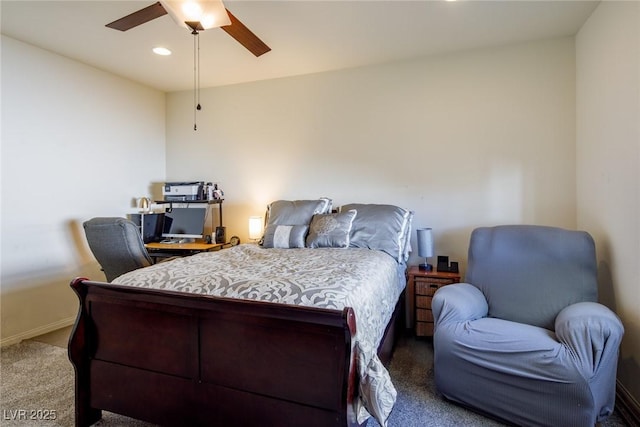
(184, 191)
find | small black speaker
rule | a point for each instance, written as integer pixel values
(221, 233)
(453, 267)
(443, 263)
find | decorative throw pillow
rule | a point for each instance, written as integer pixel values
(285, 236)
(381, 227)
(296, 212)
(331, 230)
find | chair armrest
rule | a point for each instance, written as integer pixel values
(457, 303)
(592, 331)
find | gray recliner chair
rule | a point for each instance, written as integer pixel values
(524, 340)
(117, 245)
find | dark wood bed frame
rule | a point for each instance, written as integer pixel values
(174, 358)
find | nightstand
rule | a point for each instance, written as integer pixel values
(421, 285)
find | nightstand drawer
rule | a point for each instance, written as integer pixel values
(434, 280)
(426, 288)
(423, 315)
(423, 301)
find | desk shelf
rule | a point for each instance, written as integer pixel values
(209, 202)
(159, 250)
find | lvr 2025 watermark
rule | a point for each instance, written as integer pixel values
(29, 414)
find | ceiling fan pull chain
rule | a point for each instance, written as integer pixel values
(196, 78)
(195, 127)
(198, 107)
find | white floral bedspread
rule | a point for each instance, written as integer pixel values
(334, 278)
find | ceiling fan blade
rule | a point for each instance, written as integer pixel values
(134, 19)
(245, 37)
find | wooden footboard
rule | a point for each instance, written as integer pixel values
(183, 359)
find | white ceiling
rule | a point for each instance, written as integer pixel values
(305, 36)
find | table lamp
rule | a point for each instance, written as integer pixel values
(425, 247)
(255, 228)
(143, 204)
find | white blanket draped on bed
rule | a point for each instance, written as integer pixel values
(335, 278)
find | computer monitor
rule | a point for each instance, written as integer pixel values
(151, 225)
(184, 223)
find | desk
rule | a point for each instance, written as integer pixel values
(158, 249)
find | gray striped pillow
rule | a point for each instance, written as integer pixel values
(285, 236)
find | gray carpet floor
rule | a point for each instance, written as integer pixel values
(37, 381)
(418, 404)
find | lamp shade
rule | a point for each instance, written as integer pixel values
(425, 242)
(209, 13)
(255, 227)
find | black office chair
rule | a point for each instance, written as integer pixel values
(117, 245)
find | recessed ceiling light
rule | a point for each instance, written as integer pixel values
(161, 51)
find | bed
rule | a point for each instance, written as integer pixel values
(291, 332)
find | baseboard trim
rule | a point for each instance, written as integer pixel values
(15, 339)
(627, 406)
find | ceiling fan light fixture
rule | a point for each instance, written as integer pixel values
(209, 13)
(162, 51)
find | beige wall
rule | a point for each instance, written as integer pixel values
(76, 143)
(608, 163)
(474, 138)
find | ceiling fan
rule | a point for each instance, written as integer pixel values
(197, 16)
